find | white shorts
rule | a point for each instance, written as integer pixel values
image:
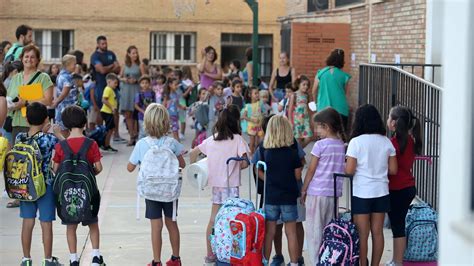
(92, 115)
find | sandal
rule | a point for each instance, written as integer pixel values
(13, 204)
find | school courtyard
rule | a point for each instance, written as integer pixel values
(125, 241)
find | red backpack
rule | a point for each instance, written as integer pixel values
(248, 237)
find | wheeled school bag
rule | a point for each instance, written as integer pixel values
(24, 178)
(221, 237)
(75, 186)
(248, 235)
(340, 243)
(421, 233)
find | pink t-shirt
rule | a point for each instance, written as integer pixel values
(331, 154)
(217, 154)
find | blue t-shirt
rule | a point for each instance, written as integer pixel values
(143, 99)
(142, 147)
(46, 143)
(65, 80)
(282, 186)
(106, 58)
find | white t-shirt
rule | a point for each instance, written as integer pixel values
(372, 152)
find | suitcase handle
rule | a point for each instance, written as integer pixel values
(238, 159)
(264, 166)
(335, 176)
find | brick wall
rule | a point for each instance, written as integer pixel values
(313, 42)
(398, 27)
(130, 22)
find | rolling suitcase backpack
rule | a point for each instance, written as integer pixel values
(340, 243)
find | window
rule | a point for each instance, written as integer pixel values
(171, 47)
(347, 2)
(54, 43)
(317, 5)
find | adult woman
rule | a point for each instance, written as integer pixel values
(330, 85)
(30, 57)
(130, 75)
(209, 71)
(281, 76)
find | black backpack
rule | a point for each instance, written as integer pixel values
(75, 186)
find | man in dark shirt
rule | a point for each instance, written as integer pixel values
(103, 62)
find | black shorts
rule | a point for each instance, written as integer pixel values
(93, 220)
(155, 209)
(109, 120)
(400, 201)
(373, 205)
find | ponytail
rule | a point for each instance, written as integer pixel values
(416, 133)
(406, 126)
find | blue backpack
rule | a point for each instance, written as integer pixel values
(98, 134)
(422, 233)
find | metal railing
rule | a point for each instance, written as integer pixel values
(387, 86)
(425, 71)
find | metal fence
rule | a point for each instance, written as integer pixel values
(387, 86)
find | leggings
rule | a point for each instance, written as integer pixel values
(400, 201)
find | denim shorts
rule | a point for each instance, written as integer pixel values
(45, 205)
(287, 213)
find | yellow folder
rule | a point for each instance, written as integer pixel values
(31, 92)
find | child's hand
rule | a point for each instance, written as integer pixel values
(56, 129)
(46, 128)
(303, 197)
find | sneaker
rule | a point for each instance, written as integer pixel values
(74, 263)
(54, 262)
(119, 140)
(98, 261)
(27, 262)
(278, 260)
(301, 261)
(153, 263)
(109, 149)
(175, 262)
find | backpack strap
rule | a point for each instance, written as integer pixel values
(84, 148)
(34, 78)
(66, 148)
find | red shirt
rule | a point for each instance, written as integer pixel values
(93, 154)
(404, 177)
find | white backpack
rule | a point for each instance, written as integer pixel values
(159, 178)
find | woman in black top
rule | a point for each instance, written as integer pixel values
(281, 76)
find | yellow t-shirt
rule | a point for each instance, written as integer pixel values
(109, 94)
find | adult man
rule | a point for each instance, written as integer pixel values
(24, 36)
(103, 62)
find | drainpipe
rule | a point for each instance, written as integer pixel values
(369, 55)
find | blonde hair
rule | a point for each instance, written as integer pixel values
(279, 133)
(263, 93)
(156, 121)
(67, 59)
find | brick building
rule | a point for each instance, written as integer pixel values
(378, 32)
(151, 25)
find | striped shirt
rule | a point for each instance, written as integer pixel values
(331, 154)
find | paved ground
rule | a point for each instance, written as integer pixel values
(125, 241)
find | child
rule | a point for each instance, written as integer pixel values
(407, 142)
(216, 105)
(199, 111)
(89, 86)
(299, 111)
(157, 125)
(66, 88)
(370, 156)
(158, 87)
(171, 102)
(183, 92)
(284, 103)
(278, 259)
(142, 100)
(253, 114)
(328, 157)
(109, 108)
(265, 101)
(283, 172)
(225, 143)
(37, 117)
(236, 97)
(75, 121)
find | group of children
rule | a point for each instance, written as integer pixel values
(74, 120)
